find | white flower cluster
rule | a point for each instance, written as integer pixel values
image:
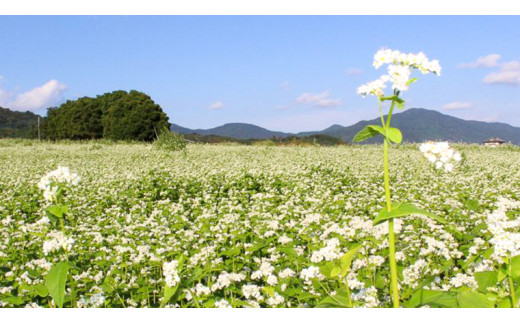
(96, 300)
(463, 280)
(440, 154)
(275, 300)
(413, 273)
(58, 241)
(225, 279)
(252, 291)
(505, 242)
(399, 70)
(375, 88)
(171, 275)
(368, 296)
(418, 61)
(222, 304)
(329, 252)
(311, 272)
(48, 183)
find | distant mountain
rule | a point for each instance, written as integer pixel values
(419, 125)
(416, 124)
(15, 124)
(233, 130)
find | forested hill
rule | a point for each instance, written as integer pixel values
(417, 125)
(15, 124)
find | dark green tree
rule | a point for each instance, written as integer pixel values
(118, 115)
(134, 116)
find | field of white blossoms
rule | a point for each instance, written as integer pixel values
(249, 226)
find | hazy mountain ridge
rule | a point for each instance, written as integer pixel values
(233, 130)
(417, 125)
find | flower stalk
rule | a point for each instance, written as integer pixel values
(394, 289)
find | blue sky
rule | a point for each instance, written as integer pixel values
(286, 73)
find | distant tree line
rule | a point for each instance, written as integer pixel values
(118, 115)
(15, 124)
(312, 140)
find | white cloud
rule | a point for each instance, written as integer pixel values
(509, 73)
(4, 98)
(4, 95)
(354, 71)
(457, 106)
(217, 105)
(490, 60)
(320, 100)
(40, 97)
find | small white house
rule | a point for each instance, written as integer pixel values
(494, 142)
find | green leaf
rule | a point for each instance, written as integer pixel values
(55, 281)
(366, 133)
(330, 270)
(255, 247)
(402, 210)
(475, 300)
(269, 290)
(515, 267)
(486, 279)
(168, 293)
(289, 251)
(333, 301)
(231, 252)
(410, 81)
(57, 210)
(395, 135)
(346, 260)
(502, 273)
(41, 290)
(399, 103)
(472, 205)
(13, 300)
(487, 254)
(433, 298)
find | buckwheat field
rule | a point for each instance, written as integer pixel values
(250, 226)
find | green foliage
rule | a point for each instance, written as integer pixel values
(15, 124)
(393, 134)
(346, 260)
(402, 210)
(119, 115)
(486, 279)
(56, 280)
(368, 132)
(170, 141)
(78, 119)
(132, 116)
(170, 291)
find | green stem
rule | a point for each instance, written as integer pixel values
(511, 286)
(381, 113)
(389, 115)
(391, 236)
(348, 294)
(394, 288)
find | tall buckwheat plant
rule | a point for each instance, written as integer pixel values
(399, 70)
(54, 186)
